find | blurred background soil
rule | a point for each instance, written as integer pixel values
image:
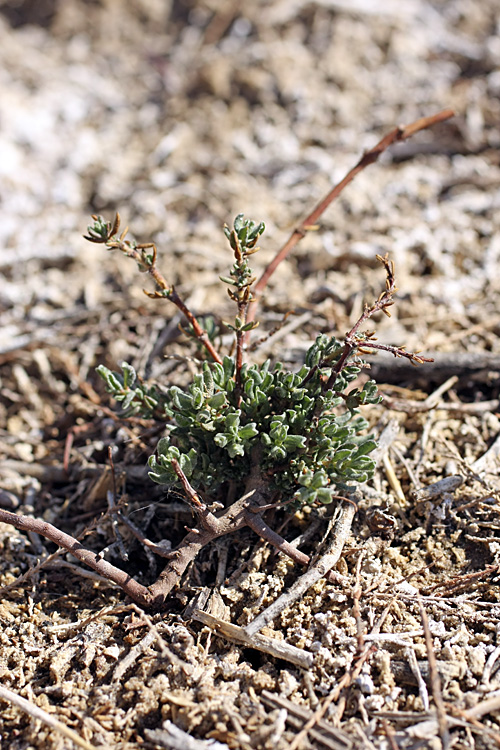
(181, 115)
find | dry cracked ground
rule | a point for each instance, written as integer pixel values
(181, 115)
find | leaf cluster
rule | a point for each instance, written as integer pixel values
(311, 440)
(134, 397)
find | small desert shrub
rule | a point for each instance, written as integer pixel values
(303, 429)
(243, 437)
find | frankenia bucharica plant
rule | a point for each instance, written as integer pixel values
(304, 426)
(249, 435)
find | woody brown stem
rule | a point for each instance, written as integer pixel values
(320, 569)
(232, 519)
(401, 133)
(200, 333)
(244, 512)
(165, 290)
(135, 590)
(257, 524)
(243, 303)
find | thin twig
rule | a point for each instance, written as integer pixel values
(207, 519)
(158, 549)
(435, 680)
(320, 569)
(488, 462)
(147, 262)
(257, 524)
(393, 480)
(39, 714)
(401, 133)
(200, 333)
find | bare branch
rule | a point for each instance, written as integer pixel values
(257, 524)
(401, 133)
(319, 569)
(135, 590)
(147, 263)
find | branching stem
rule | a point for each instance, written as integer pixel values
(200, 332)
(244, 512)
(240, 340)
(135, 590)
(147, 262)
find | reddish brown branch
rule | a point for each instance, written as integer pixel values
(193, 498)
(364, 343)
(208, 521)
(401, 133)
(398, 351)
(135, 590)
(171, 575)
(352, 342)
(257, 524)
(244, 512)
(200, 333)
(165, 290)
(243, 304)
